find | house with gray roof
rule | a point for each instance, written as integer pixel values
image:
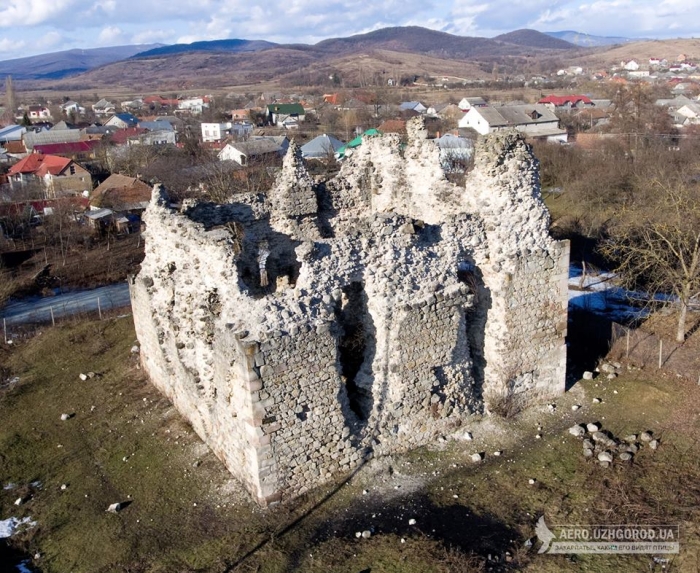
(321, 147)
(533, 120)
(103, 107)
(416, 106)
(455, 152)
(246, 152)
(31, 139)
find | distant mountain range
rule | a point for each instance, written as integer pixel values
(211, 46)
(67, 63)
(589, 41)
(535, 39)
(411, 39)
(397, 50)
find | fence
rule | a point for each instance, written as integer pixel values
(49, 309)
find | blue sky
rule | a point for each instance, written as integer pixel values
(29, 27)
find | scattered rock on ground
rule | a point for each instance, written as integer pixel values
(578, 430)
(115, 507)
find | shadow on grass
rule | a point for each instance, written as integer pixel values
(456, 527)
(11, 557)
(588, 340)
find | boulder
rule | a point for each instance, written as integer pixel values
(578, 431)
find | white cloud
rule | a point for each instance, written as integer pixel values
(111, 36)
(10, 46)
(49, 40)
(33, 12)
(153, 37)
(41, 25)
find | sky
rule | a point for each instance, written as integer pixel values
(29, 27)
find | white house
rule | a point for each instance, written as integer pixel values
(470, 102)
(72, 107)
(220, 131)
(122, 121)
(243, 153)
(534, 120)
(38, 112)
(104, 107)
(692, 112)
(194, 105)
(630, 66)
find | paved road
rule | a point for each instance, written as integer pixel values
(38, 309)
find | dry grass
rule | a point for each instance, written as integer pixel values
(494, 510)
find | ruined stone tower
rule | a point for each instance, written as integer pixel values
(303, 330)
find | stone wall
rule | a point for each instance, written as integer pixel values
(307, 329)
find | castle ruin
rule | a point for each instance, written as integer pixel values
(303, 330)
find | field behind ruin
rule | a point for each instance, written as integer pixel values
(123, 442)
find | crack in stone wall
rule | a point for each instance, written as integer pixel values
(450, 298)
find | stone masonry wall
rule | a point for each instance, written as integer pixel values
(304, 330)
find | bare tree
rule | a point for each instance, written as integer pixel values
(10, 96)
(656, 240)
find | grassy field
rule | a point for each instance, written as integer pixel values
(125, 443)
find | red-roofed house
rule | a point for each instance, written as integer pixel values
(122, 136)
(76, 150)
(156, 101)
(566, 102)
(58, 175)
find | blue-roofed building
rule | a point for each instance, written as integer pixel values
(157, 125)
(122, 120)
(12, 133)
(416, 106)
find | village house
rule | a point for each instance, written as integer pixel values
(220, 131)
(194, 105)
(279, 113)
(534, 120)
(122, 121)
(72, 107)
(58, 175)
(321, 147)
(103, 107)
(117, 203)
(12, 133)
(45, 137)
(156, 102)
(690, 111)
(566, 102)
(242, 114)
(38, 112)
(75, 150)
(416, 106)
(467, 103)
(455, 152)
(282, 141)
(245, 153)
